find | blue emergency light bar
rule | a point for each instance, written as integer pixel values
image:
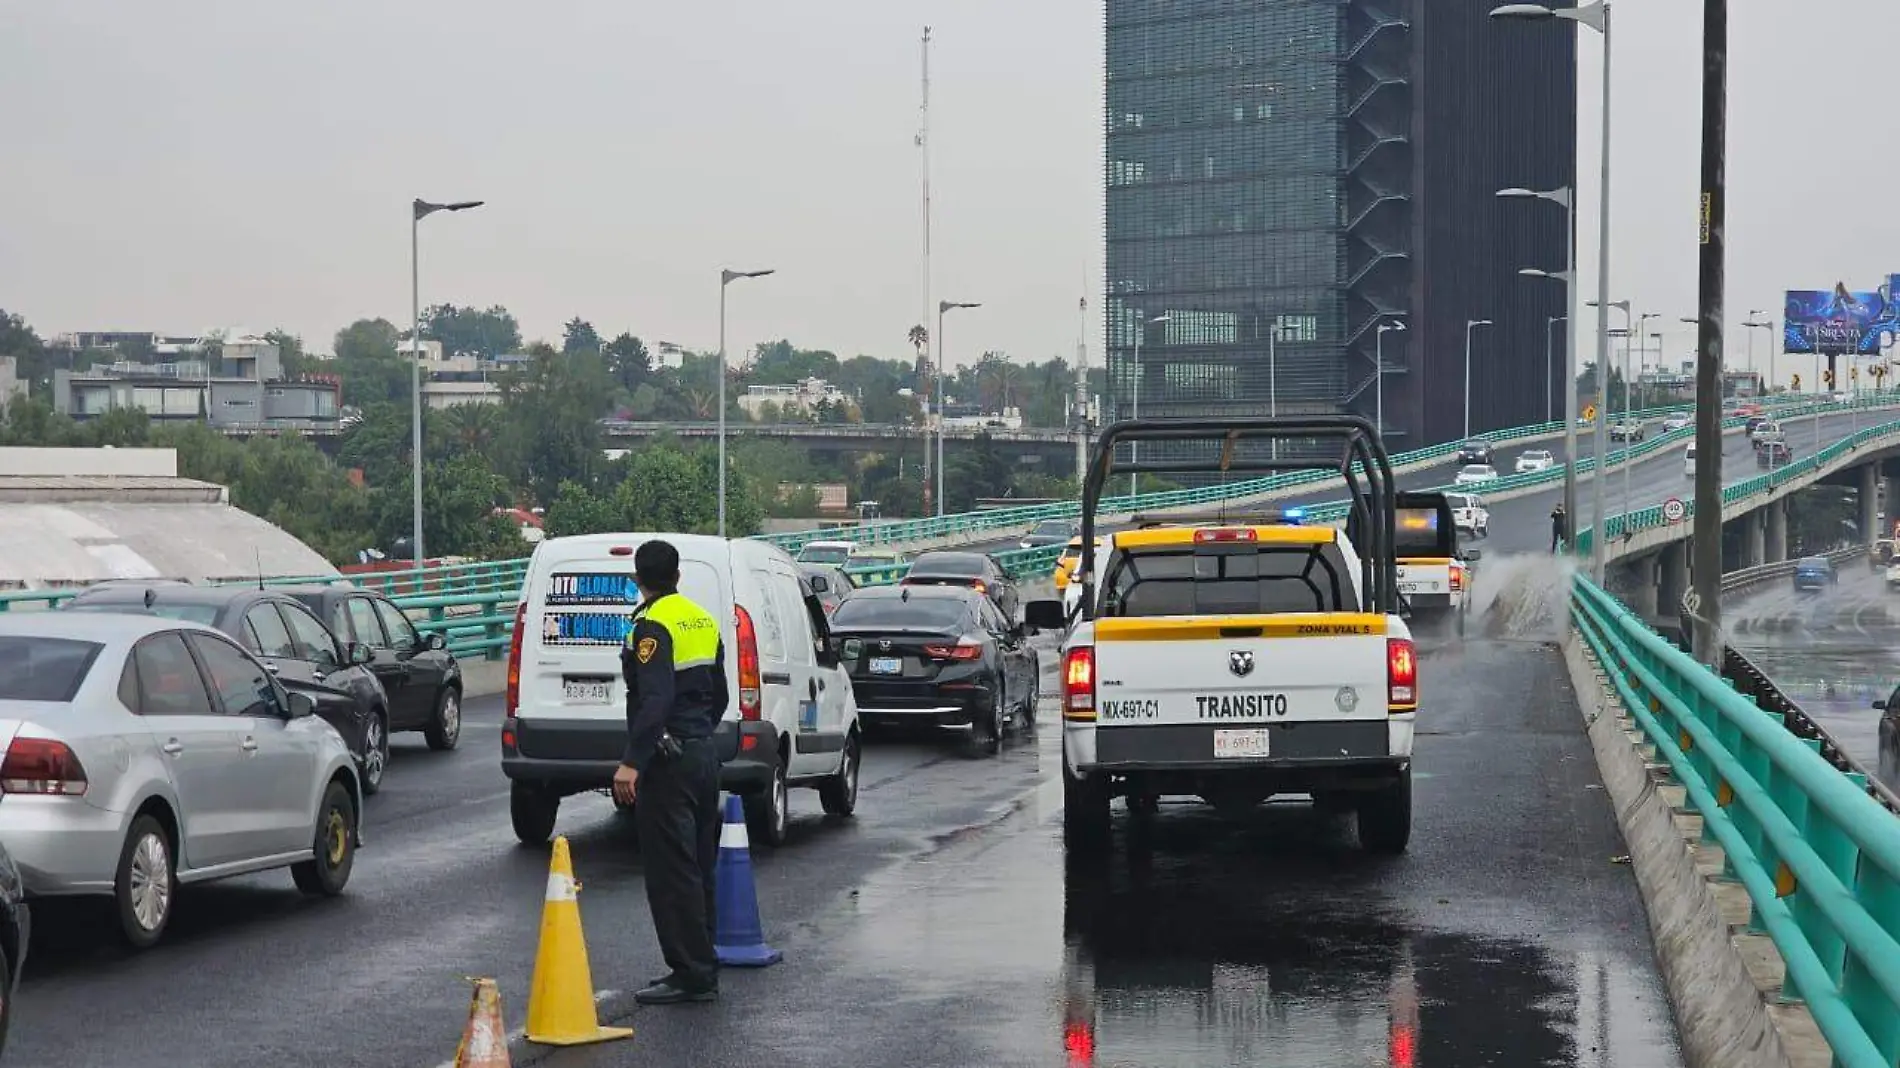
(1293, 516)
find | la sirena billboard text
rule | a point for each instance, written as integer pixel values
(1837, 322)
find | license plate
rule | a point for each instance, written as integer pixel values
(1410, 586)
(587, 691)
(1242, 744)
(887, 665)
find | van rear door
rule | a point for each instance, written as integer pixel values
(580, 603)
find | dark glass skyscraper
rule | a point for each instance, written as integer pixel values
(1286, 175)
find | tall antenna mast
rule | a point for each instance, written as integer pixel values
(936, 388)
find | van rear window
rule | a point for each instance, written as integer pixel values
(1269, 580)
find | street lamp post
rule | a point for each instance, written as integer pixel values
(727, 276)
(1135, 405)
(1597, 17)
(1753, 324)
(1550, 366)
(1378, 348)
(1566, 197)
(942, 307)
(1470, 324)
(418, 210)
(1603, 403)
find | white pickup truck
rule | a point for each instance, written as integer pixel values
(1236, 662)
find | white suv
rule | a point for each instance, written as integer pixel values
(1534, 460)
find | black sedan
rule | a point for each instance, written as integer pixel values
(1474, 451)
(973, 571)
(421, 677)
(291, 642)
(940, 656)
(1050, 532)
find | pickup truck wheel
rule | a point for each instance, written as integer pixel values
(1084, 812)
(1385, 818)
(532, 811)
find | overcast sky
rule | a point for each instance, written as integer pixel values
(198, 164)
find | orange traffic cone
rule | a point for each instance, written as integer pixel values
(561, 1003)
(485, 1039)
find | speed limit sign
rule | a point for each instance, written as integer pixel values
(1674, 510)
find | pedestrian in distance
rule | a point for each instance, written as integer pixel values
(1559, 527)
(675, 666)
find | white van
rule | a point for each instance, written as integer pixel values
(794, 720)
(1688, 461)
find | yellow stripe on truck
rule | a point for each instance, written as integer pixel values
(1424, 561)
(1173, 536)
(1216, 628)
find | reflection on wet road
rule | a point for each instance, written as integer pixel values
(1834, 653)
(1508, 936)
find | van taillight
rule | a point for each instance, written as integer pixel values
(1078, 683)
(1401, 674)
(42, 766)
(749, 703)
(514, 658)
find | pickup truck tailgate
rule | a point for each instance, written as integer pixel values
(1199, 690)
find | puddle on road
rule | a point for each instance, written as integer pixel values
(1198, 947)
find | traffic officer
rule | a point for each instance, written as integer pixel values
(675, 667)
(1559, 526)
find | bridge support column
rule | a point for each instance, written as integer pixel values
(1753, 534)
(1777, 520)
(1672, 577)
(1869, 503)
(1642, 587)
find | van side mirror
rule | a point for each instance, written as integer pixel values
(436, 640)
(1880, 703)
(820, 584)
(301, 705)
(1044, 615)
(356, 653)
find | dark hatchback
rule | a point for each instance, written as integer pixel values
(293, 643)
(973, 571)
(1474, 451)
(421, 677)
(936, 656)
(1815, 573)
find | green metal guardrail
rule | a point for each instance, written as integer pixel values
(1819, 857)
(1647, 518)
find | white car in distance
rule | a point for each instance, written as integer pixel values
(1476, 475)
(1677, 422)
(1535, 460)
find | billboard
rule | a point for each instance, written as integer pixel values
(1836, 322)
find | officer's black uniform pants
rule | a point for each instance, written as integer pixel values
(677, 811)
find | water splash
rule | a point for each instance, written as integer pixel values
(1523, 596)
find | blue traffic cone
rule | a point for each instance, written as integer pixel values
(738, 936)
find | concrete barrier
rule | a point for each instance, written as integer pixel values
(1723, 983)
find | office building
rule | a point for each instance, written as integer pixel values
(1283, 177)
(242, 389)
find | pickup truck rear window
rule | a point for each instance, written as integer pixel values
(1264, 581)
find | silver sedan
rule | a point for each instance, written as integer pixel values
(143, 753)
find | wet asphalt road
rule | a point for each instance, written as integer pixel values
(940, 927)
(1834, 652)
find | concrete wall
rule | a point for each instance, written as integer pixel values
(45, 462)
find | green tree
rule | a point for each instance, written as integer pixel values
(32, 364)
(296, 361)
(629, 363)
(978, 470)
(379, 445)
(367, 339)
(367, 362)
(551, 410)
(778, 363)
(471, 332)
(579, 510)
(578, 335)
(459, 497)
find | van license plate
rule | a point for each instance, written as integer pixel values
(1240, 744)
(587, 691)
(887, 665)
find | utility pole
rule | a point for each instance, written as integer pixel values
(934, 390)
(1706, 558)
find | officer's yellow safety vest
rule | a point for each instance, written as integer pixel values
(694, 631)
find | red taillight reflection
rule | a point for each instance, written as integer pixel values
(1403, 1046)
(1078, 1040)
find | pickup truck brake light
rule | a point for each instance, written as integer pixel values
(1401, 673)
(1218, 534)
(1078, 683)
(1457, 579)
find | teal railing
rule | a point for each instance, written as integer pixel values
(1819, 857)
(1807, 466)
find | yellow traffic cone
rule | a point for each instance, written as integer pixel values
(561, 1004)
(485, 1038)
